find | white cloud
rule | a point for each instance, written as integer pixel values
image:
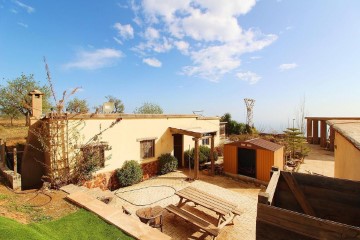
(287, 66)
(117, 40)
(95, 59)
(182, 46)
(151, 33)
(208, 31)
(152, 62)
(125, 31)
(28, 8)
(249, 77)
(288, 28)
(23, 25)
(255, 57)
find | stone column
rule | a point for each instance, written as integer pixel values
(309, 132)
(315, 131)
(2, 153)
(196, 158)
(323, 133)
(212, 156)
(15, 161)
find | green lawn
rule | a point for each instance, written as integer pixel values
(78, 225)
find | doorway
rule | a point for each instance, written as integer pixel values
(179, 148)
(247, 162)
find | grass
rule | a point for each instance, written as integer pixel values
(78, 225)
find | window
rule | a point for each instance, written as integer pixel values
(147, 148)
(222, 129)
(205, 141)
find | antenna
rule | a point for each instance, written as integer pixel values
(249, 108)
(198, 112)
(108, 107)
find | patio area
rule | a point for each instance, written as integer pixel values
(160, 191)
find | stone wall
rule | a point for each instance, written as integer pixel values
(104, 181)
(109, 180)
(14, 179)
(150, 169)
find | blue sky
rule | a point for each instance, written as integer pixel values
(190, 55)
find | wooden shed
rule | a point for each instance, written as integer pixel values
(308, 207)
(253, 158)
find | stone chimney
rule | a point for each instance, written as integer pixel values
(36, 103)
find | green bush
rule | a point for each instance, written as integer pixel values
(130, 173)
(167, 163)
(204, 155)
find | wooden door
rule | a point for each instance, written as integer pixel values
(179, 148)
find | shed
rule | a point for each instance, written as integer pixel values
(253, 158)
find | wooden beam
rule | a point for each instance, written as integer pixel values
(298, 193)
(196, 160)
(291, 222)
(271, 188)
(322, 133)
(315, 132)
(309, 131)
(185, 132)
(212, 156)
(332, 138)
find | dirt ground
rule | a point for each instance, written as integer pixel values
(33, 205)
(320, 161)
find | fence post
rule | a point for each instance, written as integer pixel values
(2, 152)
(15, 161)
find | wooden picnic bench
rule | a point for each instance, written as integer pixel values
(225, 210)
(197, 221)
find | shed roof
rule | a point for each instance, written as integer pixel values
(350, 129)
(259, 142)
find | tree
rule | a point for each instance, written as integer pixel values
(10, 111)
(295, 143)
(15, 96)
(118, 105)
(300, 115)
(232, 126)
(77, 106)
(149, 108)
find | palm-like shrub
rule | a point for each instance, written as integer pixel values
(130, 173)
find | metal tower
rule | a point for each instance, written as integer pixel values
(249, 108)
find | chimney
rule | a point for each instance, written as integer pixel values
(36, 103)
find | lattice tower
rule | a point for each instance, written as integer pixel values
(249, 109)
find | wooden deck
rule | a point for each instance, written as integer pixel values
(116, 217)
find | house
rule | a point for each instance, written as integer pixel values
(346, 148)
(253, 158)
(115, 137)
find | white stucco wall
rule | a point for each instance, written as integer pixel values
(123, 137)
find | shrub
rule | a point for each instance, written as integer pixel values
(130, 173)
(167, 163)
(204, 155)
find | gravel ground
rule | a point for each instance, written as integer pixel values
(160, 191)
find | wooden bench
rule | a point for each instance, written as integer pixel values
(226, 210)
(191, 218)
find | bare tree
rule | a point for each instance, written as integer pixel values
(300, 114)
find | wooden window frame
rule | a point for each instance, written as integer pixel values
(147, 153)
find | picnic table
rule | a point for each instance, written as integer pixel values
(225, 210)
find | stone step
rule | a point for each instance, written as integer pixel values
(71, 188)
